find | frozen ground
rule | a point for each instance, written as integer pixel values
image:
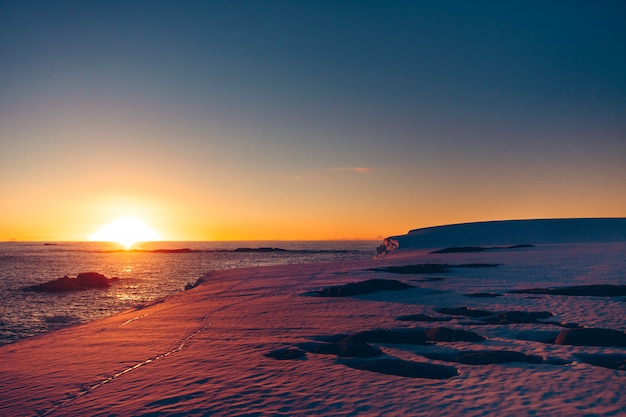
(203, 351)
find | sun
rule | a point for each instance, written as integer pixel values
(126, 231)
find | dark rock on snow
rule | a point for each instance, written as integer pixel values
(422, 317)
(591, 337)
(445, 334)
(414, 269)
(483, 295)
(429, 268)
(615, 361)
(396, 337)
(464, 311)
(578, 290)
(400, 336)
(404, 368)
(475, 265)
(484, 357)
(361, 288)
(492, 317)
(286, 354)
(342, 349)
(428, 279)
(510, 317)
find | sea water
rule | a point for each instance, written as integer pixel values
(150, 271)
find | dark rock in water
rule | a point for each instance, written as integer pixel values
(342, 349)
(364, 287)
(182, 250)
(84, 281)
(578, 290)
(510, 317)
(615, 361)
(404, 368)
(401, 336)
(286, 354)
(422, 317)
(246, 250)
(483, 295)
(445, 334)
(591, 337)
(484, 357)
(464, 311)
(61, 320)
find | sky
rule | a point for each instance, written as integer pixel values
(250, 120)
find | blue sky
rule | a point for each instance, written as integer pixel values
(257, 111)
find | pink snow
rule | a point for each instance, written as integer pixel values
(202, 351)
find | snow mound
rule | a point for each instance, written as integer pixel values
(510, 232)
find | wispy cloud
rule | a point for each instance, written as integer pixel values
(358, 170)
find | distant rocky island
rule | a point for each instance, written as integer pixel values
(510, 232)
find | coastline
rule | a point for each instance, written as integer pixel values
(153, 271)
(202, 351)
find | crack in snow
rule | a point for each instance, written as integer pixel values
(100, 383)
(134, 318)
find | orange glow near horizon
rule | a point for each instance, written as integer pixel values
(126, 231)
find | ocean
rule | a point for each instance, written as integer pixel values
(150, 271)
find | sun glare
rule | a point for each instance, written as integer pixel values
(126, 231)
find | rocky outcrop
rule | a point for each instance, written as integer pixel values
(591, 337)
(363, 287)
(414, 269)
(504, 317)
(512, 317)
(446, 334)
(483, 295)
(464, 311)
(342, 349)
(484, 357)
(578, 290)
(399, 336)
(400, 367)
(84, 281)
(422, 317)
(389, 245)
(403, 336)
(429, 268)
(612, 361)
(285, 354)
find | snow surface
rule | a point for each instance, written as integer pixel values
(202, 351)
